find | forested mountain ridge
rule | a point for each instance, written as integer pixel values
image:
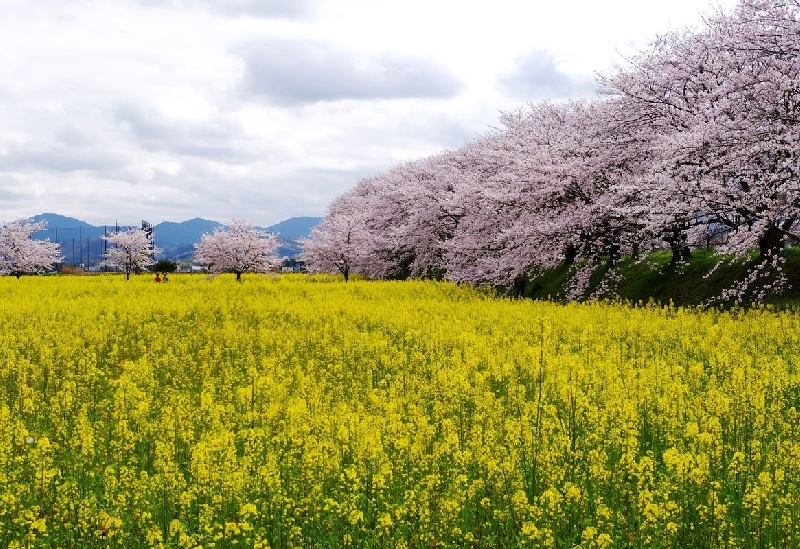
(82, 243)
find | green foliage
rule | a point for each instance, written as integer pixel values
(164, 266)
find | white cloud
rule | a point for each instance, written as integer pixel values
(172, 109)
(538, 76)
(292, 72)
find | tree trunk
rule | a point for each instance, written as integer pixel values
(570, 254)
(678, 246)
(239, 276)
(519, 286)
(770, 242)
(680, 252)
(613, 253)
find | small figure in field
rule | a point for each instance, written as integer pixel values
(158, 277)
(165, 278)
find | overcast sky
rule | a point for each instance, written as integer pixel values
(165, 110)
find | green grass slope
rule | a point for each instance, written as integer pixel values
(652, 277)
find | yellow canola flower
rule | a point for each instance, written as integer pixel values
(355, 517)
(302, 411)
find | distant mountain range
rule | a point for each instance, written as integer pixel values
(82, 243)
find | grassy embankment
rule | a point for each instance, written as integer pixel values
(652, 277)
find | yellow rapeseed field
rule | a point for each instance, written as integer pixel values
(306, 412)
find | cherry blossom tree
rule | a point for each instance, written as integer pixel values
(550, 186)
(392, 225)
(238, 248)
(413, 215)
(21, 254)
(723, 106)
(131, 250)
(474, 250)
(344, 241)
(332, 246)
(696, 136)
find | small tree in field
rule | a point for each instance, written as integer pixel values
(20, 254)
(238, 248)
(130, 250)
(165, 266)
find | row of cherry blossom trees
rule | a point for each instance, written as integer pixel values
(694, 140)
(237, 248)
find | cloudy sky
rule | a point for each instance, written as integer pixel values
(165, 110)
